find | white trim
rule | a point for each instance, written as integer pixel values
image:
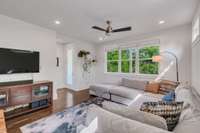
(137, 63)
(194, 43)
(195, 36)
(132, 74)
(131, 62)
(134, 44)
(119, 61)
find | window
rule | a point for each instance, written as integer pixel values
(128, 58)
(125, 61)
(113, 61)
(133, 60)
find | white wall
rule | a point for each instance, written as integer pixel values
(196, 59)
(60, 70)
(20, 35)
(176, 40)
(81, 79)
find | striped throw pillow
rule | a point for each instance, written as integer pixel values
(170, 111)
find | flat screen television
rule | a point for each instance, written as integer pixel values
(18, 61)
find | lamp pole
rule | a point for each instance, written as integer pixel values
(177, 67)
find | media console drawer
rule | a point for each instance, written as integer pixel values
(20, 95)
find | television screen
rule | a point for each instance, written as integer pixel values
(18, 61)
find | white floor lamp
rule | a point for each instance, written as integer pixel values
(158, 58)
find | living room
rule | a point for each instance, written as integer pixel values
(96, 50)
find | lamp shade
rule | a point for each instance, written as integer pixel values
(156, 58)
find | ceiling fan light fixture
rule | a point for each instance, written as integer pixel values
(100, 38)
(108, 34)
(161, 22)
(57, 22)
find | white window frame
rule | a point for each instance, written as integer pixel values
(137, 71)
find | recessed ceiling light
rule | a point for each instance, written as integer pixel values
(161, 22)
(100, 38)
(57, 22)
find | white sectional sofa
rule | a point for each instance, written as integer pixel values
(127, 92)
(116, 118)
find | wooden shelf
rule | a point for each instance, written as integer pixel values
(18, 95)
(26, 111)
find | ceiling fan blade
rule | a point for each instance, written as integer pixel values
(98, 28)
(122, 29)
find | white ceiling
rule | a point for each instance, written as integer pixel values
(77, 16)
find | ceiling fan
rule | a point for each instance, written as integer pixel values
(109, 28)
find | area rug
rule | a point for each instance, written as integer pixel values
(71, 120)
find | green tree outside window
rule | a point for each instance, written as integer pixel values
(146, 65)
(131, 58)
(112, 61)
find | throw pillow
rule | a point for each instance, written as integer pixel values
(169, 97)
(152, 87)
(168, 82)
(166, 86)
(171, 111)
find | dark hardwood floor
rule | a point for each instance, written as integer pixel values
(14, 124)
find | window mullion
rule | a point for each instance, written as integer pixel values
(106, 62)
(137, 61)
(119, 62)
(130, 60)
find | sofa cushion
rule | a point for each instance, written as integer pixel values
(188, 126)
(184, 94)
(103, 121)
(101, 89)
(135, 114)
(135, 84)
(125, 92)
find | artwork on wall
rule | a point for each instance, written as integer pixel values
(87, 62)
